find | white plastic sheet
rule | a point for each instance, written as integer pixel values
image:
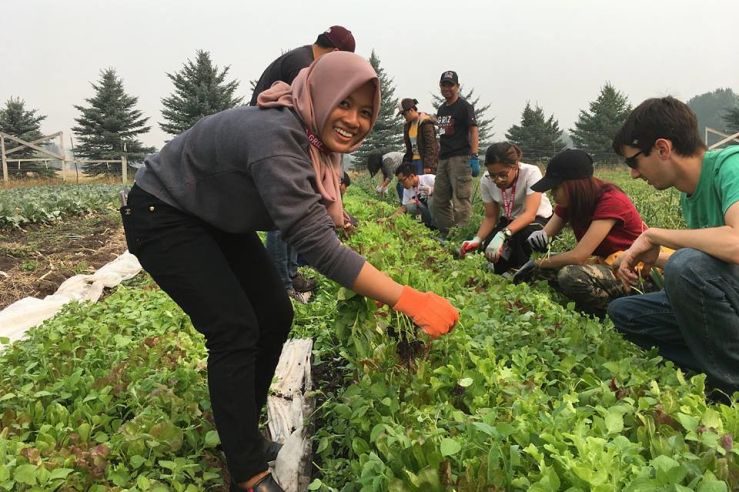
(17, 318)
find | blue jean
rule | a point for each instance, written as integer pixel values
(284, 257)
(694, 321)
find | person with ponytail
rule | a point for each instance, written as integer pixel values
(192, 219)
(605, 223)
(513, 211)
(419, 135)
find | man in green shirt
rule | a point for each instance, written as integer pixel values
(694, 321)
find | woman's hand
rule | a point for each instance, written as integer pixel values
(539, 241)
(495, 248)
(470, 245)
(434, 314)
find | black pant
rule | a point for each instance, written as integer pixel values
(520, 251)
(228, 286)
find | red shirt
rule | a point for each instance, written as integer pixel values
(614, 204)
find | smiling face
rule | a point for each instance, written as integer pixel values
(350, 121)
(449, 90)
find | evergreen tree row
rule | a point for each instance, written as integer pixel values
(109, 125)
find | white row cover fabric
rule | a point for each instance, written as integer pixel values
(17, 318)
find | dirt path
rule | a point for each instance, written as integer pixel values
(35, 261)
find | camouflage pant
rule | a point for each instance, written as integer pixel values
(592, 287)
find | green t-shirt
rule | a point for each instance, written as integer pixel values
(717, 190)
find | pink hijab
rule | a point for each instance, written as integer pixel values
(315, 93)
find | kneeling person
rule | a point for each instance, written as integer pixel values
(513, 211)
(417, 193)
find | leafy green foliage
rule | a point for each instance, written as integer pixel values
(25, 124)
(387, 133)
(108, 128)
(524, 394)
(538, 136)
(110, 396)
(200, 89)
(44, 204)
(595, 128)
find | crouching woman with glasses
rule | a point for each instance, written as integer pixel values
(512, 209)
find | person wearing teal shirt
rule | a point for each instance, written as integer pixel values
(693, 321)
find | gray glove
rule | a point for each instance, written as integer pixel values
(539, 241)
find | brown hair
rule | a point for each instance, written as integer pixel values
(583, 196)
(664, 117)
(504, 153)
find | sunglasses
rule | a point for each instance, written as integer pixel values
(631, 161)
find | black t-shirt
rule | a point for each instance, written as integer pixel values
(284, 68)
(454, 124)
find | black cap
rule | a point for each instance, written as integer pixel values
(449, 76)
(567, 165)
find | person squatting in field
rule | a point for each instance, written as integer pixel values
(387, 163)
(605, 223)
(192, 219)
(418, 193)
(694, 320)
(512, 209)
(419, 136)
(285, 68)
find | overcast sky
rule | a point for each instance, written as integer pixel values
(555, 53)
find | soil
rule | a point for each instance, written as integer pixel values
(35, 260)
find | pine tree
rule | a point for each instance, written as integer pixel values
(731, 117)
(538, 136)
(25, 124)
(200, 89)
(387, 134)
(108, 127)
(595, 128)
(484, 124)
(711, 107)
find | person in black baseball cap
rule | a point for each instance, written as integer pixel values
(605, 223)
(568, 164)
(458, 161)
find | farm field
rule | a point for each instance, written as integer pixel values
(525, 394)
(52, 232)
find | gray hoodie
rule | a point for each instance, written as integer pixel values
(248, 169)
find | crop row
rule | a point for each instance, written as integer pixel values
(44, 204)
(525, 394)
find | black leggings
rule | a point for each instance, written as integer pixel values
(228, 286)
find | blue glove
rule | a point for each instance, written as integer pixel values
(475, 165)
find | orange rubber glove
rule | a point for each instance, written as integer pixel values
(434, 314)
